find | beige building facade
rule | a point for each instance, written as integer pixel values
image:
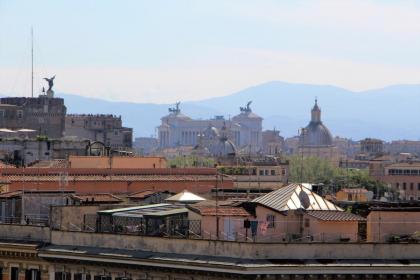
(107, 129)
(43, 114)
(384, 224)
(403, 177)
(243, 130)
(272, 142)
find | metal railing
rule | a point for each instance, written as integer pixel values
(36, 220)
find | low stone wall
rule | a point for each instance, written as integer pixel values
(70, 217)
(240, 249)
(25, 232)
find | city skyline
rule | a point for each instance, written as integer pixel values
(209, 140)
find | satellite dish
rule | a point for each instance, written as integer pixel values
(304, 199)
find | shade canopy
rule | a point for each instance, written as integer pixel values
(185, 197)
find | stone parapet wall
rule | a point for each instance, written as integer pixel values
(24, 232)
(248, 250)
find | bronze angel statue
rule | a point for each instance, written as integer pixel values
(50, 82)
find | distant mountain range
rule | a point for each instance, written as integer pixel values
(388, 113)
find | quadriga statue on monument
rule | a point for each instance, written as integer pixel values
(247, 108)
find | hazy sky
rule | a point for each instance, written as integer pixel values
(162, 51)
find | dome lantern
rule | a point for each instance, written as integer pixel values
(316, 113)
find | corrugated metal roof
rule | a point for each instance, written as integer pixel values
(7, 130)
(152, 210)
(290, 198)
(221, 211)
(167, 212)
(112, 211)
(97, 197)
(335, 216)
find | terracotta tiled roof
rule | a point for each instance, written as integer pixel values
(142, 194)
(97, 197)
(38, 192)
(222, 211)
(56, 163)
(234, 202)
(114, 171)
(125, 178)
(6, 165)
(334, 216)
(10, 194)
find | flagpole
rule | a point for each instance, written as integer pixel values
(32, 61)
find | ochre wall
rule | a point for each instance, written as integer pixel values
(198, 187)
(209, 229)
(383, 224)
(116, 162)
(284, 224)
(294, 224)
(70, 217)
(331, 231)
(344, 196)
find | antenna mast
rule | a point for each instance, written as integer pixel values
(32, 61)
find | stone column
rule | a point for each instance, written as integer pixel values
(44, 274)
(114, 275)
(22, 271)
(73, 272)
(51, 272)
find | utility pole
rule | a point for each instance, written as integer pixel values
(22, 218)
(303, 130)
(32, 61)
(217, 204)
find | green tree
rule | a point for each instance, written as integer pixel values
(310, 169)
(191, 161)
(319, 171)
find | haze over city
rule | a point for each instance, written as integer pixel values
(209, 140)
(165, 51)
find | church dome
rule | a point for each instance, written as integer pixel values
(224, 148)
(316, 134)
